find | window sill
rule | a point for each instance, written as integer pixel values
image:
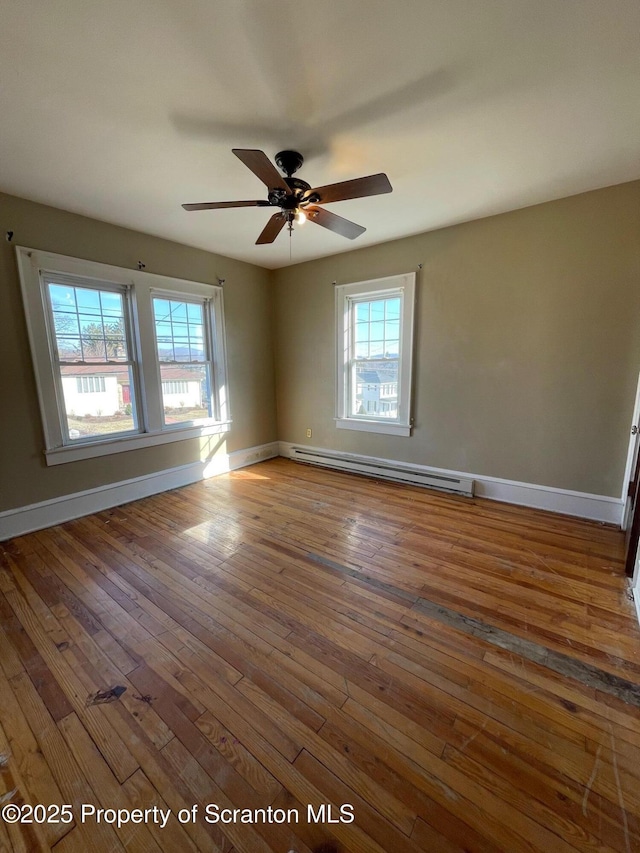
(374, 426)
(89, 450)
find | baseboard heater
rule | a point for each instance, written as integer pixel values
(384, 470)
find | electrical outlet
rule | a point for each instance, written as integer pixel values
(309, 433)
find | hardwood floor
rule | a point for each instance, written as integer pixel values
(463, 674)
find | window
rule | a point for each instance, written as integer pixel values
(183, 351)
(88, 332)
(374, 322)
(123, 358)
(90, 385)
(171, 388)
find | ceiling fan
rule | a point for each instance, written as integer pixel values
(296, 198)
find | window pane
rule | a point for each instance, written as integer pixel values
(110, 303)
(179, 330)
(178, 310)
(362, 332)
(376, 349)
(362, 311)
(97, 404)
(68, 349)
(392, 307)
(377, 310)
(186, 393)
(88, 324)
(65, 324)
(375, 386)
(88, 301)
(194, 312)
(392, 330)
(376, 331)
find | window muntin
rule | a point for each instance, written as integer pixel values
(91, 357)
(183, 352)
(374, 326)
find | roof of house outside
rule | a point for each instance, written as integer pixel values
(122, 373)
(370, 376)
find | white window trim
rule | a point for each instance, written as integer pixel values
(31, 264)
(375, 288)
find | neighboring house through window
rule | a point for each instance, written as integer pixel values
(123, 358)
(374, 321)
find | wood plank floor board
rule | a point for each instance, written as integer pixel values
(75, 788)
(476, 700)
(584, 703)
(604, 784)
(177, 596)
(134, 837)
(594, 817)
(563, 640)
(142, 795)
(389, 806)
(376, 759)
(63, 672)
(17, 780)
(223, 773)
(29, 653)
(273, 634)
(28, 771)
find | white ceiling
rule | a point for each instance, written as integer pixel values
(122, 110)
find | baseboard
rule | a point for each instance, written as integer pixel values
(581, 504)
(16, 522)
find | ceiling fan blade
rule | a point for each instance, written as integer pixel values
(220, 205)
(271, 230)
(262, 168)
(344, 227)
(357, 188)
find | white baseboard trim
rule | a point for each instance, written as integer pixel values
(16, 522)
(594, 507)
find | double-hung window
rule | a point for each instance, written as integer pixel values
(91, 355)
(123, 358)
(374, 321)
(184, 358)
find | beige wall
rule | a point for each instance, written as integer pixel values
(24, 477)
(528, 346)
(528, 343)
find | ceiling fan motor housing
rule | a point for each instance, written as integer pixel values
(289, 161)
(294, 199)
